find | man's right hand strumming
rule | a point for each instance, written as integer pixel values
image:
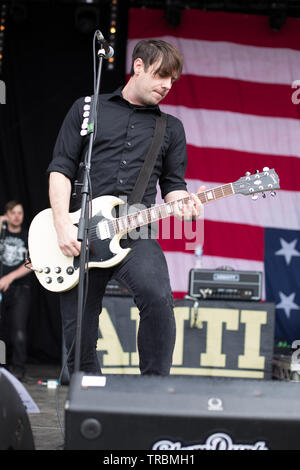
(59, 194)
(67, 238)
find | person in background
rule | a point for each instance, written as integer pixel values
(14, 287)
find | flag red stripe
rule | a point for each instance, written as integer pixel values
(238, 96)
(252, 30)
(220, 239)
(229, 165)
(233, 95)
(179, 294)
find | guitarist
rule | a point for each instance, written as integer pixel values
(125, 130)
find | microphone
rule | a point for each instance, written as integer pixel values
(109, 52)
(3, 233)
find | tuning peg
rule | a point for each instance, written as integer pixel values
(254, 197)
(273, 193)
(266, 168)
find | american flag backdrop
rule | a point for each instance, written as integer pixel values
(235, 101)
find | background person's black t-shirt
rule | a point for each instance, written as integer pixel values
(13, 248)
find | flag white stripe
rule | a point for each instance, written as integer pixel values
(235, 61)
(236, 131)
(180, 264)
(274, 212)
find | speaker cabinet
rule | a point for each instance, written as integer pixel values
(176, 413)
(15, 429)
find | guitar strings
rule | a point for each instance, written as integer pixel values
(161, 210)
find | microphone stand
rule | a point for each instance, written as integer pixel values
(84, 215)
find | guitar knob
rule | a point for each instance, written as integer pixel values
(273, 193)
(70, 270)
(247, 173)
(60, 279)
(47, 270)
(48, 280)
(266, 168)
(263, 195)
(256, 171)
(57, 270)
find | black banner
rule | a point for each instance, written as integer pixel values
(213, 338)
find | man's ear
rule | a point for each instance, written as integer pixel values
(138, 66)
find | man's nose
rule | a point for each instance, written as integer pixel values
(167, 83)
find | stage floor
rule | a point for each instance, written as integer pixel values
(45, 425)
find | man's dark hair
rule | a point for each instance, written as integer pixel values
(12, 204)
(152, 50)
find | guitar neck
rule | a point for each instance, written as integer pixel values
(162, 211)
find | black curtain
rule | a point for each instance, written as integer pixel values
(48, 63)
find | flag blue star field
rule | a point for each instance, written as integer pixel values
(282, 275)
(240, 113)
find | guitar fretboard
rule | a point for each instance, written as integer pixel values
(162, 211)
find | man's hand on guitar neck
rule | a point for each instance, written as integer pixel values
(192, 210)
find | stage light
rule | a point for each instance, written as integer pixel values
(112, 31)
(173, 12)
(2, 30)
(277, 16)
(86, 19)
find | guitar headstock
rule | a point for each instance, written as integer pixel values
(259, 182)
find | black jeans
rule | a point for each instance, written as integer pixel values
(144, 272)
(13, 324)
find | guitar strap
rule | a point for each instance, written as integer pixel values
(148, 165)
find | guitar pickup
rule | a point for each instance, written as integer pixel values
(103, 229)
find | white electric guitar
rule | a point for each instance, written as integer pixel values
(58, 273)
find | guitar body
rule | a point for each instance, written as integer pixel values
(59, 273)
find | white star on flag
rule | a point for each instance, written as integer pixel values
(288, 250)
(287, 303)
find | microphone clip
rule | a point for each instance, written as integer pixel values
(106, 49)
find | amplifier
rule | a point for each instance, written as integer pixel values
(225, 284)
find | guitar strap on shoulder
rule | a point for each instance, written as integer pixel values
(148, 165)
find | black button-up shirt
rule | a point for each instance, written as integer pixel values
(123, 138)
